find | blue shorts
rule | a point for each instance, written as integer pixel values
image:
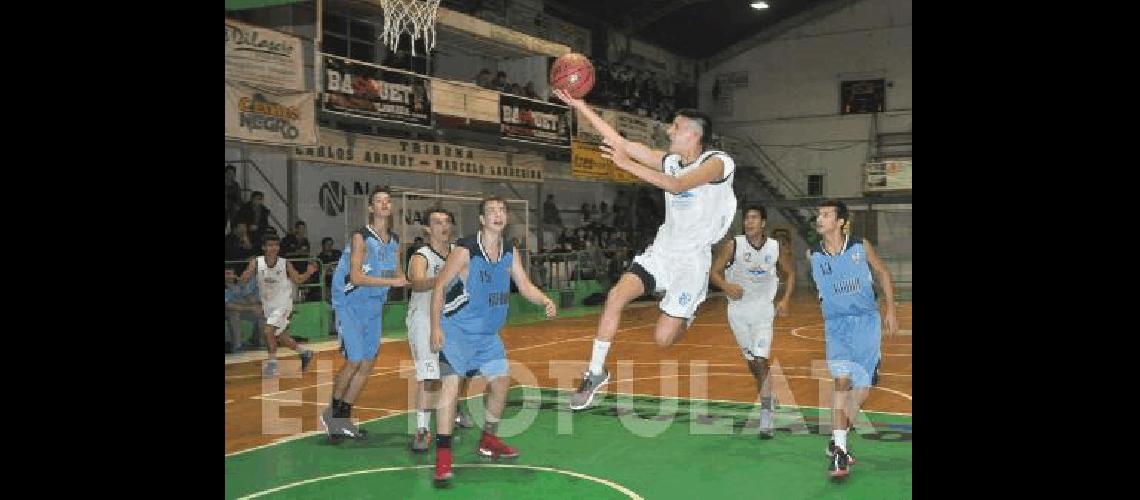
(469, 355)
(359, 330)
(853, 347)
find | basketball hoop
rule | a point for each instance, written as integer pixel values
(414, 17)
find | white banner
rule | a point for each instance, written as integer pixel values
(262, 56)
(265, 115)
(421, 156)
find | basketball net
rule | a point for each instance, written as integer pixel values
(414, 17)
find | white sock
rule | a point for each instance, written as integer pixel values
(423, 419)
(840, 437)
(601, 348)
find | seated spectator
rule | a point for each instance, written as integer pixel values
(329, 257)
(514, 88)
(605, 225)
(241, 299)
(500, 83)
(329, 254)
(483, 79)
(296, 243)
(528, 90)
(255, 215)
(238, 247)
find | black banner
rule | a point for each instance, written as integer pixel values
(534, 121)
(369, 91)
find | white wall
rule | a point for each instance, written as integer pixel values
(791, 103)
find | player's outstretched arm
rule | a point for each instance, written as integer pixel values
(711, 170)
(637, 150)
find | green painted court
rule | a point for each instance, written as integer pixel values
(623, 447)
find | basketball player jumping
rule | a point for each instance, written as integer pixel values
(699, 209)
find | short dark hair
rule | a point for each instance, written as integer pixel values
(299, 223)
(377, 190)
(231, 167)
(702, 120)
(326, 238)
(270, 237)
(840, 208)
(436, 210)
(255, 194)
(757, 207)
(483, 204)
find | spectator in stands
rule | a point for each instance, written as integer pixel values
(585, 213)
(625, 203)
(296, 243)
(241, 299)
(605, 225)
(238, 246)
(566, 239)
(646, 209)
(528, 90)
(233, 193)
(550, 213)
(500, 83)
(255, 216)
(483, 79)
(329, 254)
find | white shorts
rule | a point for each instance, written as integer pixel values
(419, 342)
(683, 276)
(278, 317)
(751, 323)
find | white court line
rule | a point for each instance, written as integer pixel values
(737, 348)
(629, 493)
(559, 389)
(389, 369)
(258, 375)
(892, 391)
(228, 401)
(719, 365)
(796, 333)
(354, 407)
(302, 435)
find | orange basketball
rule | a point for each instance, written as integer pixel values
(573, 73)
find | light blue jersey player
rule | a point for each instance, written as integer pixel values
(359, 307)
(841, 266)
(468, 307)
(369, 266)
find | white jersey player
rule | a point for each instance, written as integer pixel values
(275, 284)
(423, 267)
(699, 207)
(748, 269)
